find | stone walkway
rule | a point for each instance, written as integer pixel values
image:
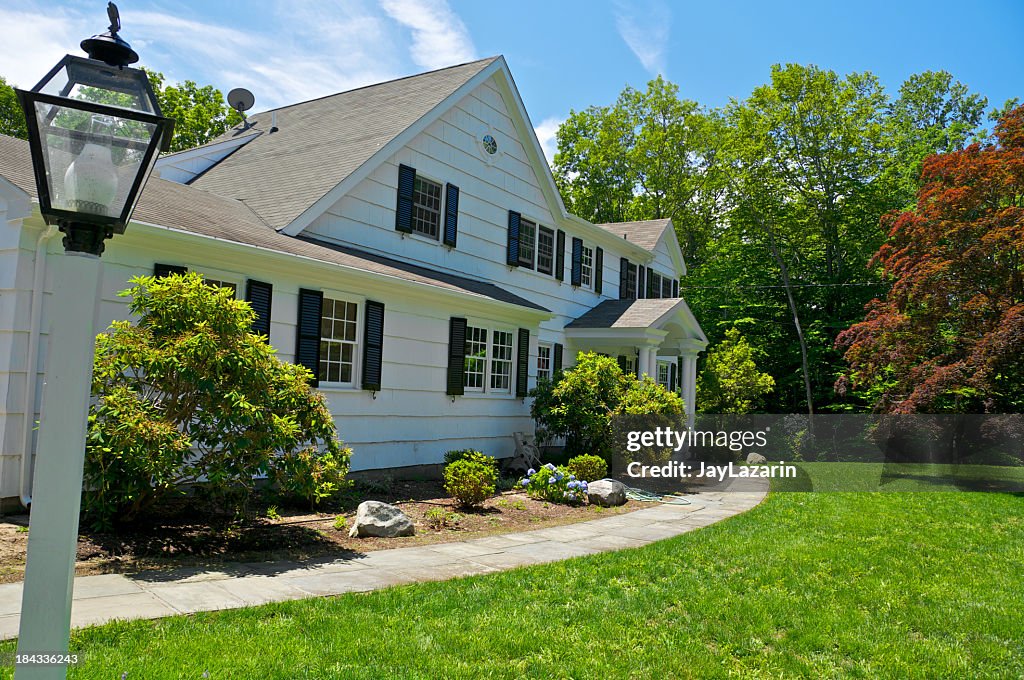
(155, 594)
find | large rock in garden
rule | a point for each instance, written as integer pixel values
(374, 518)
(756, 459)
(606, 492)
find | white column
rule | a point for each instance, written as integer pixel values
(645, 361)
(689, 379)
(57, 486)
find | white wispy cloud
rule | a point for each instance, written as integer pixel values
(439, 38)
(546, 133)
(645, 27)
(309, 48)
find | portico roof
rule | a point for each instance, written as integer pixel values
(648, 320)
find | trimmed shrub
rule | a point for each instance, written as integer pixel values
(555, 484)
(588, 467)
(469, 454)
(470, 482)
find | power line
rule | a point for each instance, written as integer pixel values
(794, 285)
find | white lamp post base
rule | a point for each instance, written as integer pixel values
(57, 483)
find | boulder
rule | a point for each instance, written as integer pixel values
(374, 518)
(756, 459)
(606, 492)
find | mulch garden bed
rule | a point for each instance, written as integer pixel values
(183, 536)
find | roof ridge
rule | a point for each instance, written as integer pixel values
(377, 84)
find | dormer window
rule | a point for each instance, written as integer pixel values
(426, 207)
(587, 267)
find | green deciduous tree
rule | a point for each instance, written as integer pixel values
(12, 118)
(199, 111)
(188, 396)
(731, 381)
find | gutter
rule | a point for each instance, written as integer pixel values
(31, 365)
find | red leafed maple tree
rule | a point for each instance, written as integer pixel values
(949, 336)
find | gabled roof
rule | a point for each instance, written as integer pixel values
(626, 313)
(185, 208)
(645, 234)
(319, 143)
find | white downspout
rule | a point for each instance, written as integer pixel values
(31, 366)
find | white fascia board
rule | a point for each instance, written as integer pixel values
(608, 240)
(675, 251)
(296, 226)
(642, 335)
(224, 147)
(689, 321)
(284, 263)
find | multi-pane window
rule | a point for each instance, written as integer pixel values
(545, 250)
(663, 373)
(222, 284)
(543, 362)
(426, 207)
(476, 357)
(666, 287)
(653, 284)
(587, 267)
(527, 242)
(338, 341)
(501, 361)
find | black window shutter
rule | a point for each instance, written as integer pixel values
(641, 281)
(307, 341)
(556, 360)
(598, 270)
(560, 256)
(623, 277)
(456, 356)
(675, 288)
(451, 215)
(512, 256)
(679, 372)
(373, 345)
(672, 378)
(168, 269)
(406, 184)
(622, 361)
(259, 295)
(576, 273)
(523, 365)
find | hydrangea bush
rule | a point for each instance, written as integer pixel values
(555, 484)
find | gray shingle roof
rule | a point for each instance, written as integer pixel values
(187, 208)
(625, 313)
(320, 142)
(644, 234)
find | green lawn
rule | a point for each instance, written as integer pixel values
(833, 585)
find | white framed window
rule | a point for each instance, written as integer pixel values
(545, 250)
(426, 207)
(653, 284)
(527, 242)
(338, 325)
(476, 358)
(501, 361)
(587, 267)
(222, 284)
(630, 368)
(543, 362)
(631, 292)
(666, 287)
(663, 370)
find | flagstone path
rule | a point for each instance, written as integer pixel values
(155, 594)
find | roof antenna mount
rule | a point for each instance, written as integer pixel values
(241, 100)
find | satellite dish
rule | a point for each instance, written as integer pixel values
(240, 99)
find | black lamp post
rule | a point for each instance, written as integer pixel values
(95, 130)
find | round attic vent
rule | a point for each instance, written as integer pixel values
(489, 143)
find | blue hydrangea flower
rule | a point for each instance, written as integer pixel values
(551, 480)
(531, 472)
(572, 478)
(550, 466)
(526, 482)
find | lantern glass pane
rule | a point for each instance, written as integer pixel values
(92, 160)
(98, 83)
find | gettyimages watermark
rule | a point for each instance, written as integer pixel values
(821, 453)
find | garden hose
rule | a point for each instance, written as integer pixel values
(635, 494)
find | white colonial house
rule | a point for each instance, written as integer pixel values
(404, 241)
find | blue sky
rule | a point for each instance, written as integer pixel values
(564, 54)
